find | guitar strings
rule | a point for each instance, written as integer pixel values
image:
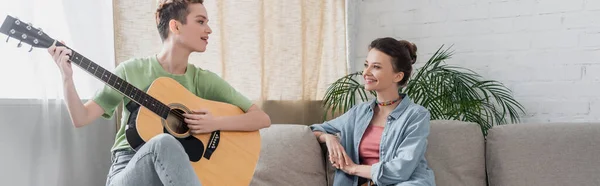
(178, 115)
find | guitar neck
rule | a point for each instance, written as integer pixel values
(119, 84)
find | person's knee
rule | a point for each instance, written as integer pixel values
(165, 142)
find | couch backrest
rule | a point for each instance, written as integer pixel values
(546, 154)
(455, 153)
(290, 155)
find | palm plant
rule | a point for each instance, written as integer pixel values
(448, 92)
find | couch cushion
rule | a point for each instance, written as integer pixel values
(290, 155)
(544, 154)
(455, 153)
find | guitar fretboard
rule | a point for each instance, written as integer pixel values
(120, 85)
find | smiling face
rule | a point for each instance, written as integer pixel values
(379, 73)
(193, 35)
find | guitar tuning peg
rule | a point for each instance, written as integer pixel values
(19, 45)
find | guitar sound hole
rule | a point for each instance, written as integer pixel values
(176, 123)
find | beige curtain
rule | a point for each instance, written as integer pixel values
(281, 54)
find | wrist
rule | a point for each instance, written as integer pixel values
(218, 123)
(67, 80)
(329, 137)
(352, 170)
(355, 170)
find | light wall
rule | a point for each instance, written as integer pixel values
(547, 52)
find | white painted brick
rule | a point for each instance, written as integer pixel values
(473, 59)
(389, 19)
(368, 35)
(511, 8)
(555, 6)
(557, 89)
(538, 22)
(595, 108)
(368, 21)
(532, 107)
(432, 44)
(415, 31)
(458, 28)
(430, 15)
(588, 56)
(469, 27)
(583, 19)
(377, 6)
(555, 39)
(443, 3)
(501, 25)
(468, 12)
(530, 72)
(559, 56)
(565, 107)
(517, 41)
(553, 118)
(592, 73)
(592, 5)
(495, 42)
(590, 39)
(552, 56)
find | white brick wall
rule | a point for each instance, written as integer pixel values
(546, 51)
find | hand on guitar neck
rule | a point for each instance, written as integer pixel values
(81, 114)
(61, 55)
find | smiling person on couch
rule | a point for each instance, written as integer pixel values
(382, 141)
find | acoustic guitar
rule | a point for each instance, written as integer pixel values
(218, 158)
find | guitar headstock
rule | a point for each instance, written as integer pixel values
(25, 32)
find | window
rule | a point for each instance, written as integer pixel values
(33, 75)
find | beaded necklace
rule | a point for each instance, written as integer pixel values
(386, 103)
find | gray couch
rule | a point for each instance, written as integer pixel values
(513, 155)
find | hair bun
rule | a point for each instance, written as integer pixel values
(412, 49)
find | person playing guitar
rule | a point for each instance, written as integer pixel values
(162, 160)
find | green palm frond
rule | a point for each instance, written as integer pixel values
(448, 92)
(342, 95)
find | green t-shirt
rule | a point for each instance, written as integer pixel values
(141, 72)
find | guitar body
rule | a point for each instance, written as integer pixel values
(218, 158)
(235, 153)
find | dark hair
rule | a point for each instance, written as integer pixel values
(171, 9)
(402, 52)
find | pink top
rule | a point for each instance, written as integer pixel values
(368, 150)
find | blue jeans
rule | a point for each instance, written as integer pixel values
(161, 161)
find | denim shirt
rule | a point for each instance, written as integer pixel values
(402, 149)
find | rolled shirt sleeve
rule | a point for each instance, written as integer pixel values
(335, 125)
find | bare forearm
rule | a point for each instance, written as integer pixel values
(253, 120)
(362, 171)
(75, 106)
